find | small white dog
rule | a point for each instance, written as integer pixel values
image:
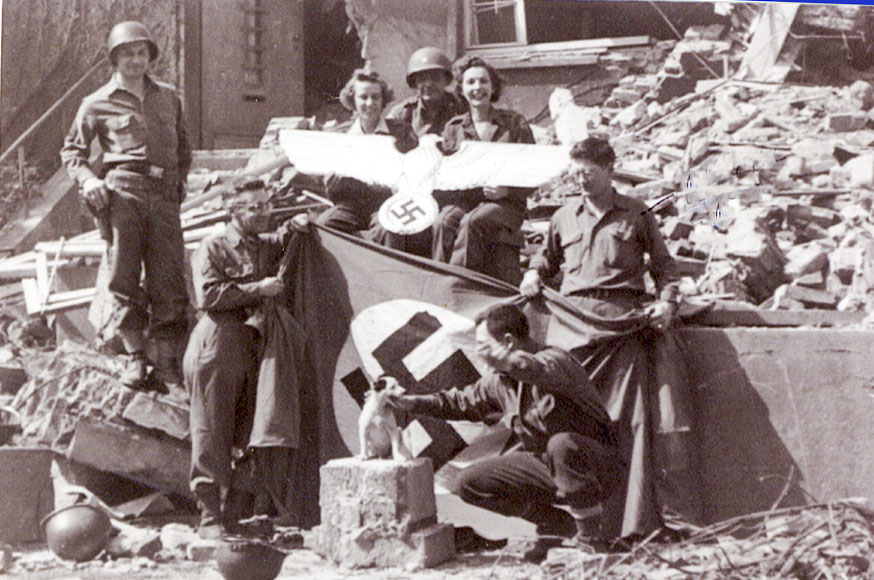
(378, 433)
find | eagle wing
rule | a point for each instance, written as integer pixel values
(482, 163)
(375, 159)
(368, 158)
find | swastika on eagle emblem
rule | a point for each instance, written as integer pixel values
(408, 214)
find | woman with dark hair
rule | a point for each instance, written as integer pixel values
(355, 202)
(480, 228)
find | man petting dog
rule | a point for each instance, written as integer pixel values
(565, 451)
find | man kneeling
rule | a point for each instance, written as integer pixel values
(565, 450)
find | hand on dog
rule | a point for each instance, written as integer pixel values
(394, 393)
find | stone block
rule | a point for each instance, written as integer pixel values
(843, 261)
(630, 115)
(677, 229)
(677, 139)
(653, 190)
(26, 493)
(380, 513)
(698, 149)
(845, 122)
(12, 376)
(177, 537)
(861, 170)
(863, 92)
(201, 550)
(805, 258)
(436, 544)
(799, 215)
(812, 280)
(132, 541)
(811, 297)
(161, 462)
(378, 490)
(153, 412)
(626, 96)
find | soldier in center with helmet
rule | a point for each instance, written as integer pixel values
(429, 72)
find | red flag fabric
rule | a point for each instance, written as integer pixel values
(367, 309)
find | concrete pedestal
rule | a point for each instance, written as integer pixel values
(380, 513)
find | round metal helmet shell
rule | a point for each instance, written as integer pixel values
(428, 58)
(131, 31)
(77, 532)
(242, 560)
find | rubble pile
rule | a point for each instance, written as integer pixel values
(76, 383)
(833, 540)
(763, 191)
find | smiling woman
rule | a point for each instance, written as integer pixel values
(479, 228)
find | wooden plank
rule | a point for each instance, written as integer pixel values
(619, 42)
(35, 303)
(813, 192)
(73, 249)
(270, 165)
(32, 300)
(775, 318)
(221, 159)
(26, 270)
(767, 42)
(544, 61)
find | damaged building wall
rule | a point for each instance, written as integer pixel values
(51, 44)
(390, 30)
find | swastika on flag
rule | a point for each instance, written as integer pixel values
(426, 348)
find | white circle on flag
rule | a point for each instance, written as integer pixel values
(408, 214)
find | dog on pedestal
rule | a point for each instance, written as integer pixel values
(379, 436)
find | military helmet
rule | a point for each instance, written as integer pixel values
(127, 32)
(428, 58)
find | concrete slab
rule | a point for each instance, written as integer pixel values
(782, 415)
(26, 494)
(160, 462)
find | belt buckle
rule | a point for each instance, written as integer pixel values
(155, 171)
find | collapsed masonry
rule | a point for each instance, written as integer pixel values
(764, 194)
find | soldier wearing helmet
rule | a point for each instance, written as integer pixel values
(139, 126)
(429, 71)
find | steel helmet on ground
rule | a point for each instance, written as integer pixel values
(127, 32)
(428, 58)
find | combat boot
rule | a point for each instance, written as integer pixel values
(135, 372)
(168, 369)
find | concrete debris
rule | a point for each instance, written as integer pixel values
(832, 540)
(764, 181)
(763, 191)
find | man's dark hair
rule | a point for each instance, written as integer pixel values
(594, 149)
(503, 319)
(241, 185)
(469, 61)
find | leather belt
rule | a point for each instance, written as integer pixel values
(141, 167)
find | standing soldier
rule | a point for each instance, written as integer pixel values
(139, 125)
(235, 272)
